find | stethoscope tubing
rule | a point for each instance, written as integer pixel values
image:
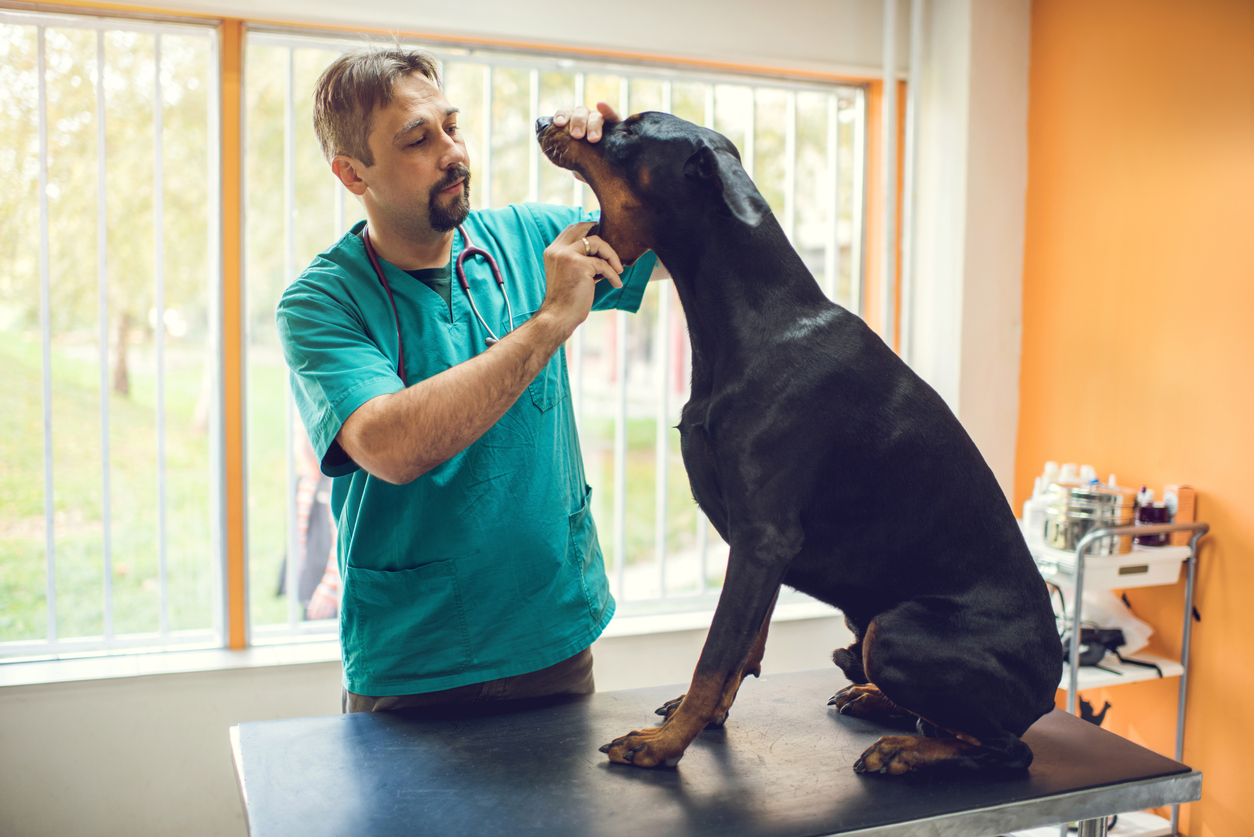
(469, 249)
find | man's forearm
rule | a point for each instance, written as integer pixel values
(399, 437)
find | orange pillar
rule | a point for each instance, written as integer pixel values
(231, 52)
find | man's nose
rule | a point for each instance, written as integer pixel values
(456, 153)
(542, 123)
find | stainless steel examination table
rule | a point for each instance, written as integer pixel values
(781, 767)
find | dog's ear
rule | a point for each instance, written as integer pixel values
(729, 183)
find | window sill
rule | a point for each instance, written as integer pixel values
(627, 623)
(328, 651)
(167, 662)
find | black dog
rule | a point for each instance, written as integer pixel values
(827, 465)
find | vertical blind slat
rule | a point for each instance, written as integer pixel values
(290, 581)
(45, 326)
(159, 330)
(102, 287)
(486, 177)
(533, 148)
(857, 266)
(831, 193)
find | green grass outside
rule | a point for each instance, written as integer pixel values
(267, 491)
(78, 509)
(79, 531)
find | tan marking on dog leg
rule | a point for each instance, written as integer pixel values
(751, 665)
(666, 744)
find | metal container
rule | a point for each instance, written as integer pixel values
(1074, 509)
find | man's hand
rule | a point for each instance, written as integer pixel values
(583, 122)
(401, 436)
(572, 265)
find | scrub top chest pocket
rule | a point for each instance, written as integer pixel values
(549, 387)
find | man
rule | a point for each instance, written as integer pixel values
(470, 561)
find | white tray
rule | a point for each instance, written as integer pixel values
(1144, 566)
(1115, 673)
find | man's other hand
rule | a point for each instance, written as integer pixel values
(572, 265)
(583, 123)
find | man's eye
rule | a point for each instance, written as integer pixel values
(417, 142)
(451, 130)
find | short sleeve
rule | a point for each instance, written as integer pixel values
(553, 219)
(335, 367)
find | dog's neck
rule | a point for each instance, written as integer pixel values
(737, 285)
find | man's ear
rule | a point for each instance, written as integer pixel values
(729, 184)
(347, 170)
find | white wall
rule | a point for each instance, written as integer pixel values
(149, 756)
(971, 189)
(816, 35)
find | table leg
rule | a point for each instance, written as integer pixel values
(1093, 828)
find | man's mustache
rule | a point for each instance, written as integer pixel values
(458, 172)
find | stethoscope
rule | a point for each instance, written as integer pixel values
(468, 250)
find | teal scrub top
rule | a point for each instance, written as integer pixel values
(488, 565)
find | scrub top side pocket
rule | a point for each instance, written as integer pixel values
(585, 553)
(550, 386)
(407, 624)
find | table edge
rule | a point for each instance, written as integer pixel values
(1034, 813)
(237, 758)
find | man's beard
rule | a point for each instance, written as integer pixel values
(446, 217)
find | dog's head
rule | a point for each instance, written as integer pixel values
(654, 172)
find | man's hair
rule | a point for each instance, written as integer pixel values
(349, 90)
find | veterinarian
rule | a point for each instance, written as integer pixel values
(469, 556)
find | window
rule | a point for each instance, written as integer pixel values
(112, 459)
(629, 374)
(108, 335)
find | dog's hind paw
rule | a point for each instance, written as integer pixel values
(895, 755)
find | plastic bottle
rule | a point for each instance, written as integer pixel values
(1034, 514)
(1172, 501)
(1088, 474)
(1148, 513)
(1030, 503)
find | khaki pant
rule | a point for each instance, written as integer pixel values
(572, 676)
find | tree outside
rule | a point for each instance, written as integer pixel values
(132, 328)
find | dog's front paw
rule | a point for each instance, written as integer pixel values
(646, 748)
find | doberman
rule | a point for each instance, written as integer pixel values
(828, 465)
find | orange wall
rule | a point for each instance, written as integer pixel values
(1138, 326)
